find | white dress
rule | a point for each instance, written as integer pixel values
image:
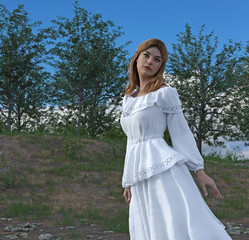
(166, 203)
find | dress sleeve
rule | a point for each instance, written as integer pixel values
(183, 140)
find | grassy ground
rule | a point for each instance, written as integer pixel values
(77, 181)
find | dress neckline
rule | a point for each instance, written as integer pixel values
(146, 93)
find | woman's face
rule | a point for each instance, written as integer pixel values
(149, 62)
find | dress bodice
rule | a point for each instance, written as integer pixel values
(144, 120)
(143, 117)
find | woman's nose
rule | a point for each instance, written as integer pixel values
(149, 60)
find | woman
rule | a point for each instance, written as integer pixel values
(164, 201)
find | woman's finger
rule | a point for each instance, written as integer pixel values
(216, 192)
(204, 190)
(127, 195)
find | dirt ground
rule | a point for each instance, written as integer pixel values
(82, 232)
(86, 232)
(34, 156)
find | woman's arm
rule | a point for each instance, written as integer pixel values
(183, 141)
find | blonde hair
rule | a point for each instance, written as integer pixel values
(155, 82)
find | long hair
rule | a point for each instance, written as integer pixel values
(155, 82)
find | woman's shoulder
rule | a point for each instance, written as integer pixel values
(168, 88)
(168, 99)
(166, 91)
(164, 85)
(164, 97)
(163, 88)
(135, 92)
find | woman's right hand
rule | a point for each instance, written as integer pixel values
(127, 195)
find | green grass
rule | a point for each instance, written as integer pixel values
(230, 170)
(65, 170)
(118, 194)
(26, 211)
(24, 182)
(73, 234)
(3, 162)
(8, 179)
(118, 223)
(91, 213)
(226, 176)
(66, 217)
(29, 169)
(3, 199)
(50, 184)
(77, 167)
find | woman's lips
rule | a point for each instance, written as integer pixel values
(146, 67)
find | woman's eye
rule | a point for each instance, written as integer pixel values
(146, 54)
(158, 60)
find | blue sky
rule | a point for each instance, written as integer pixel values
(144, 19)
(163, 19)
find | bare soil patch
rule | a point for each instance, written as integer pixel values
(75, 178)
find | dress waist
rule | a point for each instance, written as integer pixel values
(147, 157)
(144, 138)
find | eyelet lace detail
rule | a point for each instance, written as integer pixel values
(143, 174)
(143, 105)
(165, 98)
(130, 110)
(171, 108)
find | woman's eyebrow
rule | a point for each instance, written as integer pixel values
(150, 54)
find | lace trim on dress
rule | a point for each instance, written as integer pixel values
(130, 110)
(165, 98)
(171, 108)
(129, 178)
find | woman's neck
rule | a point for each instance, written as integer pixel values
(143, 82)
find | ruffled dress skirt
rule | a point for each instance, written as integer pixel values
(169, 206)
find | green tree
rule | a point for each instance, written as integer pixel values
(22, 78)
(238, 111)
(206, 81)
(90, 68)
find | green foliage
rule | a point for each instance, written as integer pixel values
(210, 85)
(114, 133)
(23, 81)
(237, 114)
(167, 137)
(66, 130)
(2, 126)
(90, 69)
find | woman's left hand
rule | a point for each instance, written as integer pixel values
(204, 180)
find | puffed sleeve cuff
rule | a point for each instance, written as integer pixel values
(195, 169)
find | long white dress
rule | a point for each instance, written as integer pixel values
(166, 203)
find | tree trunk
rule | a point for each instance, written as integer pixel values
(18, 113)
(79, 115)
(19, 122)
(200, 127)
(199, 145)
(93, 113)
(9, 115)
